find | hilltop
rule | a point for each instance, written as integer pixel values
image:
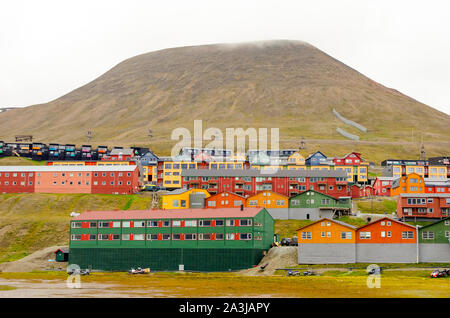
(287, 84)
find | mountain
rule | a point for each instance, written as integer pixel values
(287, 84)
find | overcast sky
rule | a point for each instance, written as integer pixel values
(48, 48)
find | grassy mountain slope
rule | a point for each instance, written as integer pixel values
(287, 84)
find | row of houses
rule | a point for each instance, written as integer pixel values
(55, 151)
(308, 205)
(386, 240)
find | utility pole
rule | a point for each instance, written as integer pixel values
(89, 136)
(302, 143)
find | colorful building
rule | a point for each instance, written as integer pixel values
(423, 205)
(382, 186)
(411, 183)
(386, 241)
(69, 179)
(162, 240)
(269, 200)
(327, 241)
(224, 200)
(184, 199)
(435, 242)
(248, 182)
(311, 199)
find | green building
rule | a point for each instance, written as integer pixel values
(198, 239)
(314, 199)
(434, 242)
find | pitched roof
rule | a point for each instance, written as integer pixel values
(434, 223)
(320, 193)
(389, 219)
(67, 168)
(232, 193)
(265, 191)
(335, 221)
(168, 214)
(264, 173)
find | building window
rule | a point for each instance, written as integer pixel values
(230, 222)
(103, 237)
(204, 223)
(190, 223)
(126, 224)
(176, 237)
(152, 223)
(116, 237)
(92, 225)
(166, 237)
(230, 236)
(428, 235)
(152, 237)
(76, 225)
(103, 224)
(364, 235)
(204, 236)
(165, 223)
(245, 236)
(219, 223)
(190, 236)
(75, 237)
(139, 223)
(306, 235)
(247, 222)
(92, 237)
(407, 234)
(125, 237)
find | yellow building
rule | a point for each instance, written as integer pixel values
(184, 199)
(172, 172)
(296, 159)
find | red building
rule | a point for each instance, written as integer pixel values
(423, 205)
(382, 186)
(248, 182)
(225, 200)
(69, 179)
(437, 186)
(17, 180)
(351, 159)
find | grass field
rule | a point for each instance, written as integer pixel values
(414, 283)
(377, 205)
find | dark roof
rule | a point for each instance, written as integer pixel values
(65, 250)
(434, 223)
(264, 173)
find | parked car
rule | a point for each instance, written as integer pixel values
(438, 273)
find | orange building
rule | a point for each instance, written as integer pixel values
(386, 241)
(386, 230)
(268, 199)
(411, 183)
(327, 242)
(225, 200)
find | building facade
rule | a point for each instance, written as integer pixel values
(200, 240)
(69, 179)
